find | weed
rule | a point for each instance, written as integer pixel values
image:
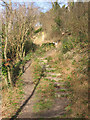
(66, 45)
(60, 56)
(53, 75)
(68, 84)
(38, 30)
(21, 92)
(73, 63)
(50, 70)
(62, 90)
(68, 68)
(53, 80)
(69, 77)
(68, 107)
(12, 98)
(41, 105)
(45, 94)
(14, 104)
(66, 95)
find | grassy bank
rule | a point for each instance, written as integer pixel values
(12, 98)
(71, 59)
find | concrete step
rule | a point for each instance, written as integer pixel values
(41, 58)
(61, 95)
(54, 78)
(50, 69)
(56, 84)
(53, 74)
(62, 89)
(43, 64)
(47, 66)
(44, 61)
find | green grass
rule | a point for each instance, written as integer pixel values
(73, 63)
(38, 30)
(13, 98)
(65, 95)
(67, 83)
(43, 49)
(62, 90)
(67, 45)
(68, 68)
(44, 92)
(49, 58)
(53, 80)
(37, 70)
(54, 75)
(42, 105)
(14, 104)
(21, 92)
(60, 56)
(68, 77)
(68, 107)
(50, 70)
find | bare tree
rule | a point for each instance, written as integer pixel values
(18, 28)
(8, 11)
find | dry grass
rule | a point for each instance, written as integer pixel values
(45, 89)
(11, 99)
(44, 96)
(73, 67)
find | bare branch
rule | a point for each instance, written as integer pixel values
(5, 4)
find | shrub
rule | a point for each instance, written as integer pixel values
(38, 30)
(29, 46)
(67, 45)
(58, 21)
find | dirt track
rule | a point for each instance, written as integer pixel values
(58, 109)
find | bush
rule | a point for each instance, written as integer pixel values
(29, 46)
(38, 30)
(58, 21)
(67, 45)
(48, 45)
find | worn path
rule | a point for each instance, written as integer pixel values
(61, 101)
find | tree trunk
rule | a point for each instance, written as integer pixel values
(5, 78)
(9, 76)
(23, 55)
(5, 49)
(7, 30)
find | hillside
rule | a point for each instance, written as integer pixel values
(44, 61)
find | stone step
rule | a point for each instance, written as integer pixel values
(43, 61)
(41, 58)
(54, 78)
(43, 64)
(62, 89)
(53, 74)
(50, 69)
(61, 95)
(47, 66)
(59, 84)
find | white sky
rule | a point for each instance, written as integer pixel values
(48, 0)
(42, 3)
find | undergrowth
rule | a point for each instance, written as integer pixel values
(72, 61)
(11, 98)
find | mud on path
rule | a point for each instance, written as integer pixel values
(26, 109)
